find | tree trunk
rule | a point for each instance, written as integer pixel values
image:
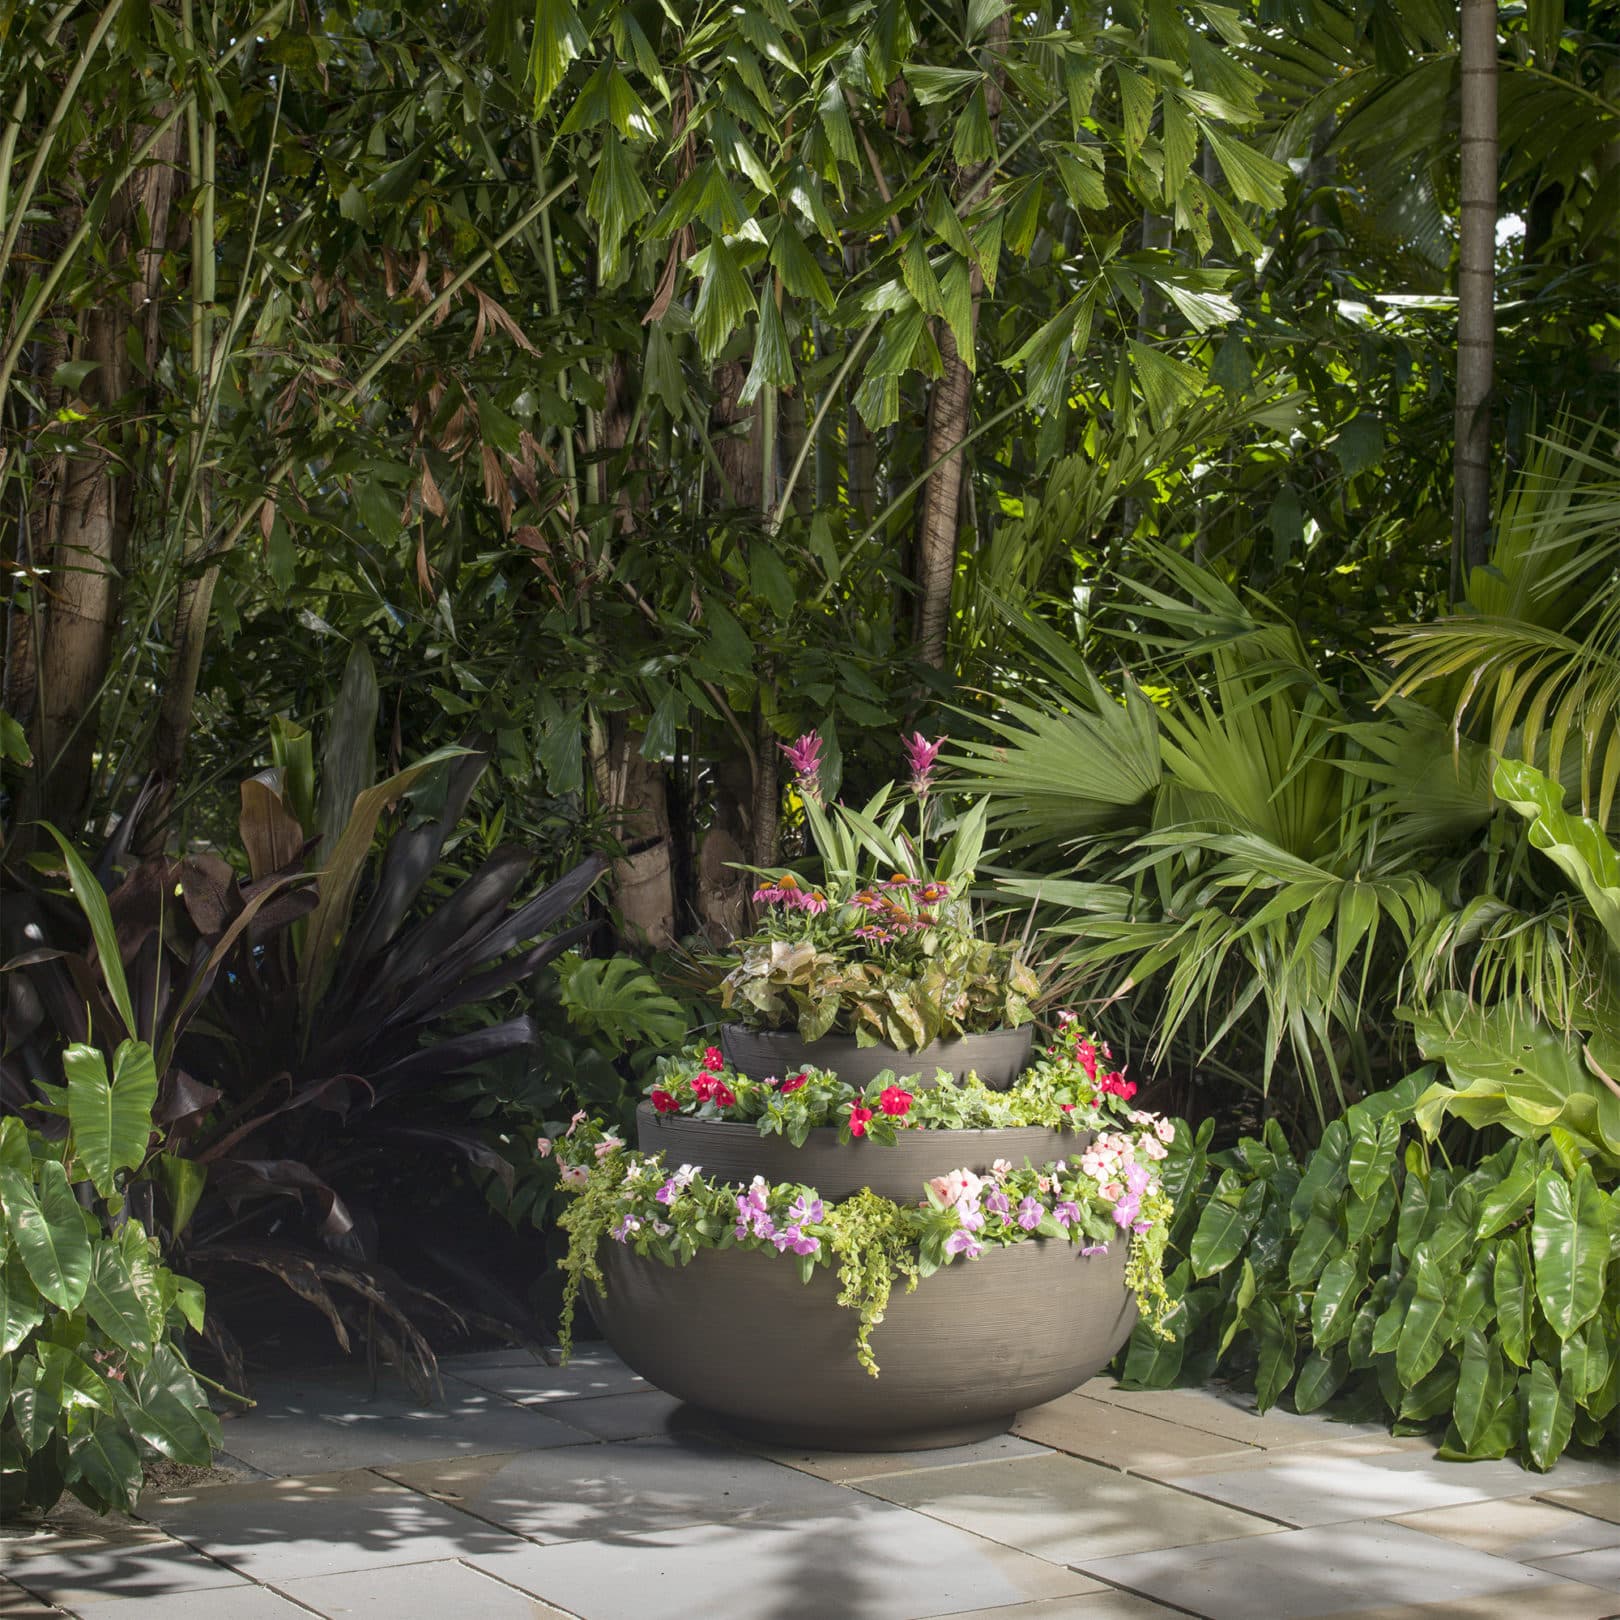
(949, 414)
(1476, 292)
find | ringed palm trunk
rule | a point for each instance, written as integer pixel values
(950, 414)
(1476, 290)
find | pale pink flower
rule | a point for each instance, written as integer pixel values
(607, 1145)
(1165, 1130)
(543, 1146)
(573, 1175)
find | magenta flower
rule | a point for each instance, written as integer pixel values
(1068, 1213)
(1127, 1209)
(962, 1243)
(1094, 1248)
(809, 1212)
(998, 1204)
(1029, 1214)
(920, 756)
(805, 758)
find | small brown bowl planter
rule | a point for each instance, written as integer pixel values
(733, 1150)
(997, 1057)
(739, 1336)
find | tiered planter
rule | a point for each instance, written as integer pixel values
(737, 1333)
(997, 1057)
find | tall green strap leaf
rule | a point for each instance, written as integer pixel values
(1570, 1239)
(48, 1228)
(111, 1121)
(92, 900)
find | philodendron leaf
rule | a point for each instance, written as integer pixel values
(49, 1232)
(103, 1460)
(1576, 844)
(111, 1121)
(21, 1308)
(1570, 1239)
(1481, 1384)
(1549, 1414)
(1514, 1302)
(113, 1303)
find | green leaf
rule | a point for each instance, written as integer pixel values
(1222, 1230)
(1166, 384)
(1514, 1300)
(1585, 1359)
(1333, 1308)
(1481, 1384)
(1318, 1242)
(1570, 1239)
(1427, 1327)
(183, 1180)
(92, 900)
(1277, 1348)
(111, 1123)
(36, 1399)
(1320, 1379)
(1372, 1155)
(103, 1459)
(773, 362)
(770, 580)
(48, 1229)
(725, 299)
(1549, 1415)
(21, 1308)
(1253, 177)
(559, 39)
(114, 1305)
(1512, 1195)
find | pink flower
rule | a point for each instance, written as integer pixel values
(804, 755)
(1001, 1167)
(664, 1102)
(607, 1145)
(956, 1186)
(573, 1175)
(895, 1101)
(858, 1119)
(920, 756)
(962, 1243)
(1126, 1210)
(1068, 1213)
(543, 1146)
(1154, 1148)
(1065, 1018)
(1111, 1192)
(815, 902)
(1165, 1130)
(1029, 1214)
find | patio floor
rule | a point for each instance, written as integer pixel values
(537, 1491)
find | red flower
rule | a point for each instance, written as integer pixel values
(895, 1101)
(1068, 1108)
(724, 1095)
(713, 1059)
(858, 1118)
(664, 1102)
(703, 1087)
(793, 1083)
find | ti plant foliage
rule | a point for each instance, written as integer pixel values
(92, 1380)
(1481, 1303)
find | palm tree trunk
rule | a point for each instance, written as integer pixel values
(1476, 291)
(950, 413)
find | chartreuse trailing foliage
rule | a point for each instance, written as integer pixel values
(1483, 1301)
(90, 1378)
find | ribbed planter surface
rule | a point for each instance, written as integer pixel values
(997, 1057)
(735, 1151)
(737, 1334)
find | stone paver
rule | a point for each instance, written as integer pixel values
(316, 1425)
(544, 1493)
(1322, 1571)
(633, 1488)
(1306, 1489)
(447, 1590)
(1517, 1527)
(324, 1524)
(870, 1562)
(1063, 1509)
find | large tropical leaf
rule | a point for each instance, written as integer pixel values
(111, 1121)
(48, 1227)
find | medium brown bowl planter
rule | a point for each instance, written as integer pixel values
(727, 1150)
(997, 1057)
(737, 1335)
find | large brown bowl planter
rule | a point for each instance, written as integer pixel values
(997, 1057)
(728, 1150)
(738, 1335)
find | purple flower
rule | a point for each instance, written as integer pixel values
(1029, 1214)
(1068, 1213)
(920, 756)
(666, 1193)
(1094, 1248)
(1127, 1209)
(805, 758)
(796, 1239)
(1137, 1177)
(962, 1243)
(807, 1211)
(998, 1204)
(626, 1228)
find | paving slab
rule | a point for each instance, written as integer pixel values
(533, 1380)
(320, 1525)
(1064, 1509)
(618, 1417)
(1599, 1567)
(1123, 1437)
(324, 1425)
(1307, 1489)
(870, 1562)
(1091, 1606)
(845, 1467)
(1565, 1601)
(447, 1588)
(225, 1603)
(1235, 1415)
(17, 1604)
(1601, 1501)
(1323, 1571)
(1517, 1527)
(630, 1488)
(76, 1575)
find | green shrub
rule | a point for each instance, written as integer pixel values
(1486, 1300)
(90, 1378)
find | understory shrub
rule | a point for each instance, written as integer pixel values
(1483, 1300)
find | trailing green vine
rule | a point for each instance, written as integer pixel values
(874, 1243)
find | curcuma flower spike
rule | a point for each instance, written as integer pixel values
(921, 756)
(805, 758)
